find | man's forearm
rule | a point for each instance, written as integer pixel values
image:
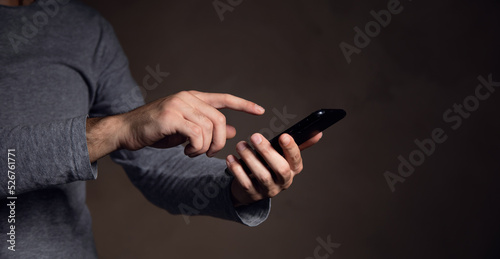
(103, 136)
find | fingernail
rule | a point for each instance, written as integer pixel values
(259, 108)
(241, 146)
(256, 139)
(230, 159)
(286, 140)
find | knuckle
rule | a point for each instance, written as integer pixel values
(183, 93)
(247, 187)
(256, 196)
(218, 143)
(291, 150)
(267, 180)
(175, 100)
(272, 193)
(166, 113)
(207, 124)
(299, 168)
(220, 118)
(265, 148)
(228, 98)
(287, 185)
(284, 170)
(196, 146)
(197, 132)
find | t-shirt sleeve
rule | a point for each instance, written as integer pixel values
(166, 177)
(188, 186)
(44, 155)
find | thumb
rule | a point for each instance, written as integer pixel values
(230, 132)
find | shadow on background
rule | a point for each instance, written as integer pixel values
(396, 89)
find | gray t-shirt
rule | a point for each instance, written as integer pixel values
(60, 62)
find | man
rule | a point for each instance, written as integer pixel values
(63, 81)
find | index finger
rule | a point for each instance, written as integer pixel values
(221, 101)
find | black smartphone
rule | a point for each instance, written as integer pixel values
(305, 129)
(311, 125)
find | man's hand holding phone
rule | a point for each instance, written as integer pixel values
(194, 117)
(260, 182)
(272, 167)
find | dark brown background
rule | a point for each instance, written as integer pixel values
(286, 53)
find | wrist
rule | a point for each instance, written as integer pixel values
(103, 136)
(122, 131)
